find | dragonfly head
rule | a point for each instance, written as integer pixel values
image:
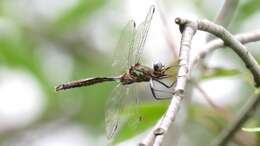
(158, 67)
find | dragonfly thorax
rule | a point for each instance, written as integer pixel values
(141, 73)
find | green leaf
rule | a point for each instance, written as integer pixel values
(219, 72)
(256, 129)
(149, 114)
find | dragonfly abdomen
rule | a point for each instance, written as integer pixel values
(84, 82)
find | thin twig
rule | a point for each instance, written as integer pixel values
(227, 12)
(251, 64)
(206, 96)
(175, 103)
(188, 30)
(167, 33)
(234, 44)
(149, 139)
(241, 138)
(225, 15)
(218, 43)
(243, 116)
(248, 138)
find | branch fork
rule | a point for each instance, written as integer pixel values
(188, 29)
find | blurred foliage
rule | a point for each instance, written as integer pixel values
(247, 9)
(19, 49)
(215, 120)
(149, 113)
(204, 9)
(219, 72)
(74, 16)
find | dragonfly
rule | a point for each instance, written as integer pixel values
(131, 46)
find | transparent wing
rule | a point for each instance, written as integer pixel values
(121, 107)
(131, 43)
(132, 108)
(124, 47)
(113, 109)
(140, 36)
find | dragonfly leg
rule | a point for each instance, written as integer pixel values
(153, 89)
(165, 85)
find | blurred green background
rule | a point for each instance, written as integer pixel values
(45, 42)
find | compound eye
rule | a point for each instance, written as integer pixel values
(157, 66)
(160, 65)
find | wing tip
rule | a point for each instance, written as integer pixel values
(132, 23)
(150, 13)
(152, 8)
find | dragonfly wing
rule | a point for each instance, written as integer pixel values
(134, 115)
(141, 35)
(131, 44)
(124, 47)
(121, 109)
(113, 109)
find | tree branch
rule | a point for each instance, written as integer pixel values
(234, 44)
(206, 96)
(218, 43)
(251, 64)
(167, 33)
(149, 139)
(225, 15)
(241, 138)
(227, 12)
(188, 30)
(243, 116)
